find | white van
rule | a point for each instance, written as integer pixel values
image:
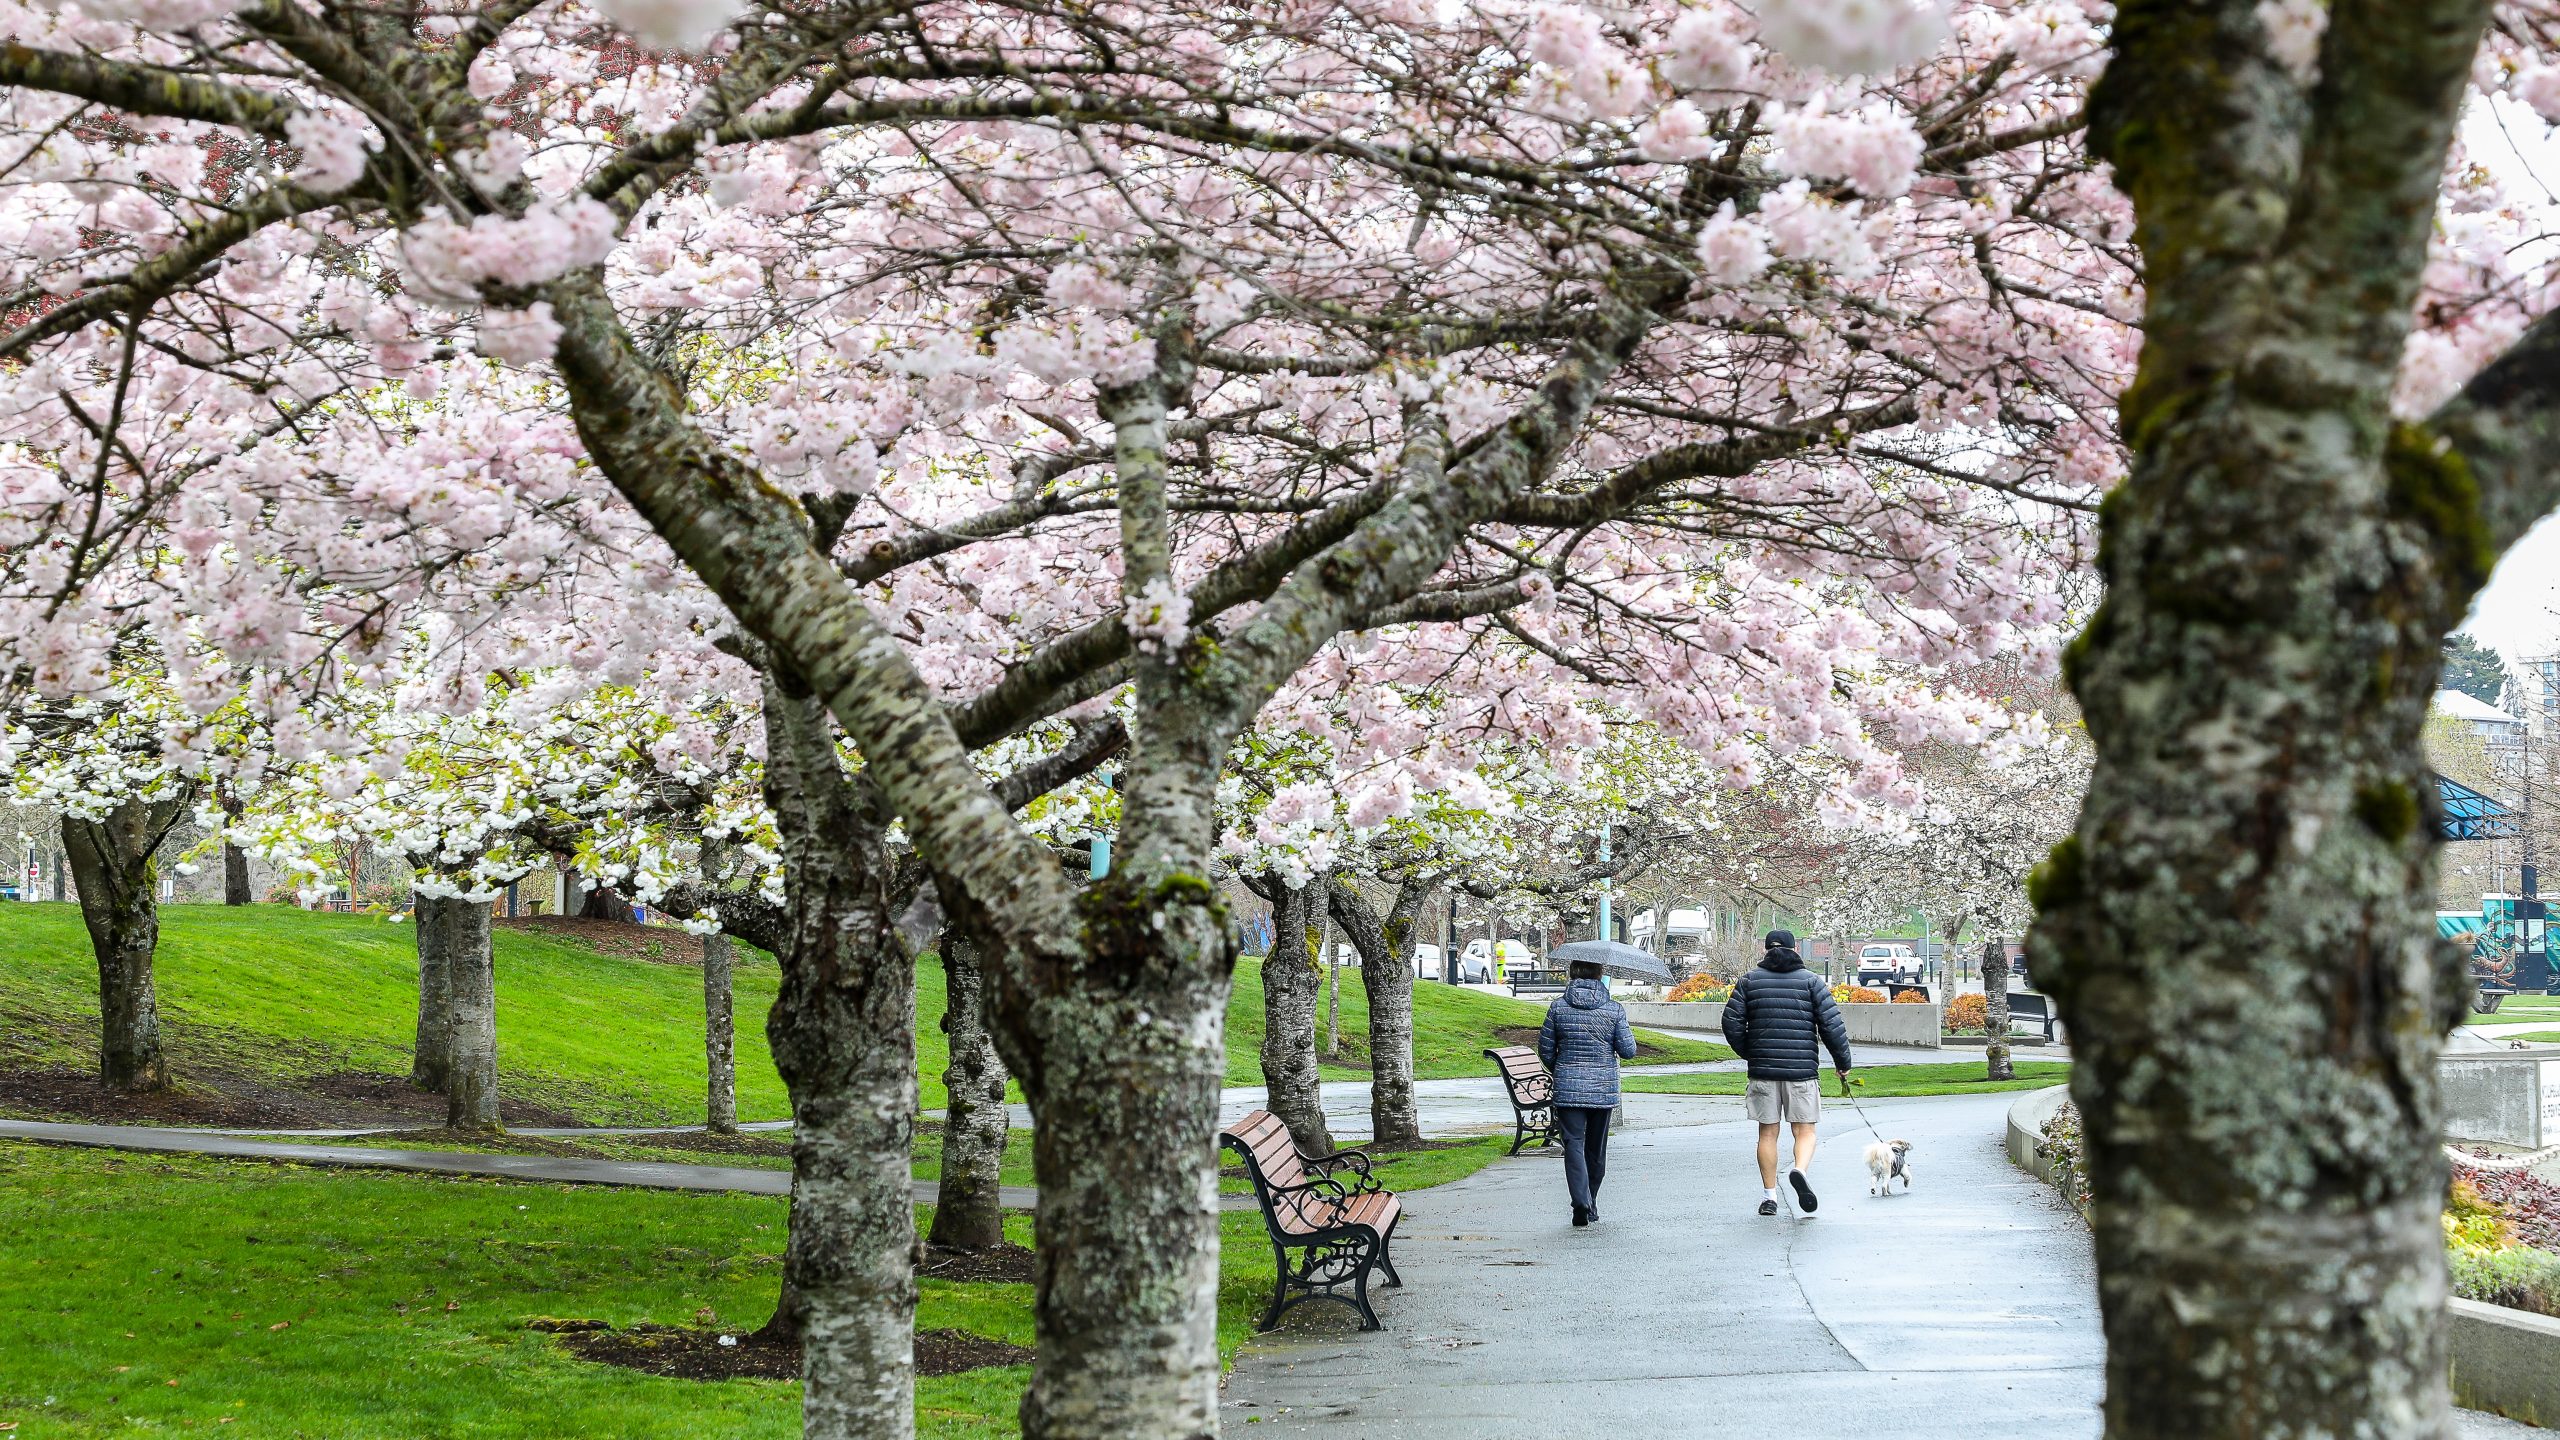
(1888, 965)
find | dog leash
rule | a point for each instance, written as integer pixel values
(1850, 1094)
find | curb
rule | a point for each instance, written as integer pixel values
(2503, 1361)
(2026, 1129)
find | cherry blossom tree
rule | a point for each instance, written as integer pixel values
(981, 363)
(2237, 932)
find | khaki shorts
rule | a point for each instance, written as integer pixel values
(1771, 1101)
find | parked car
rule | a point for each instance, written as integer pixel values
(1484, 963)
(1888, 965)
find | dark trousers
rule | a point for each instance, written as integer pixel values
(1584, 1129)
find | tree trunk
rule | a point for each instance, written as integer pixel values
(1995, 1009)
(2237, 932)
(843, 1036)
(1327, 957)
(111, 859)
(235, 861)
(471, 1074)
(1291, 986)
(431, 1057)
(1393, 1118)
(968, 1206)
(1130, 1061)
(719, 1037)
(606, 903)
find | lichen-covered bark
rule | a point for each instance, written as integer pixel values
(110, 859)
(968, 1207)
(1386, 977)
(1131, 1054)
(431, 1054)
(719, 1036)
(1291, 984)
(843, 1037)
(2237, 932)
(471, 968)
(1995, 1009)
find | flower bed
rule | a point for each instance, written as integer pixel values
(2501, 1231)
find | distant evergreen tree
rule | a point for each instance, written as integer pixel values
(2473, 668)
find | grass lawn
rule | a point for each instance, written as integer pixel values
(2537, 1037)
(169, 1293)
(1878, 1081)
(286, 995)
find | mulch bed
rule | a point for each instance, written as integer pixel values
(1006, 1264)
(760, 1142)
(664, 944)
(245, 1102)
(685, 1354)
(2532, 1204)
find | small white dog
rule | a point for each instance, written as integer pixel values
(1887, 1159)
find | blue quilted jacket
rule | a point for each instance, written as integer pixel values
(1582, 1041)
(1781, 1018)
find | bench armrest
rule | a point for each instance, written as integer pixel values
(1353, 1160)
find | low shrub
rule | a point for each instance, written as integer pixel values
(1856, 995)
(1701, 986)
(2518, 1277)
(1967, 1014)
(2068, 1150)
(1910, 997)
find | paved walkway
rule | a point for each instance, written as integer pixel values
(553, 1168)
(1966, 1310)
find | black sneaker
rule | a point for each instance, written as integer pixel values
(1804, 1192)
(1768, 1207)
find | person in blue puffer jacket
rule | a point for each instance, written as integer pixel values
(1779, 1019)
(1584, 1037)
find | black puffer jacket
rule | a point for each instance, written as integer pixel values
(1781, 1017)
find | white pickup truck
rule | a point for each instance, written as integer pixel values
(1888, 965)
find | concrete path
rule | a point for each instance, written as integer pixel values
(1966, 1310)
(553, 1168)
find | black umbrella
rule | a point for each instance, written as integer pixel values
(1624, 961)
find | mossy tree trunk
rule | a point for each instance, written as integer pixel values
(719, 1036)
(1995, 1009)
(842, 1031)
(471, 968)
(431, 1054)
(968, 1207)
(111, 859)
(2237, 932)
(1385, 946)
(1291, 988)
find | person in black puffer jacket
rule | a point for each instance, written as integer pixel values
(1779, 1019)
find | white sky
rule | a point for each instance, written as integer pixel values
(2518, 614)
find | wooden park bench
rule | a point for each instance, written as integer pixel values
(1535, 981)
(2031, 1011)
(1533, 1094)
(1329, 1208)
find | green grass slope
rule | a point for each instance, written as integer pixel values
(278, 992)
(285, 995)
(1452, 1028)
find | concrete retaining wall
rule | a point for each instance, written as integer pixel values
(2506, 1361)
(2027, 1116)
(2503, 1097)
(1869, 1024)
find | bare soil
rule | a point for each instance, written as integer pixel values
(244, 1102)
(688, 1354)
(662, 943)
(1006, 1264)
